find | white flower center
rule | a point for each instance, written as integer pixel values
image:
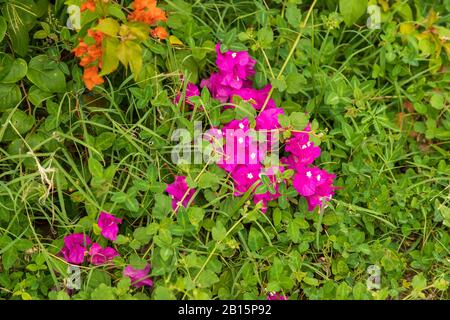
(309, 143)
(318, 177)
(219, 131)
(241, 140)
(303, 147)
(309, 174)
(241, 126)
(234, 55)
(253, 155)
(250, 176)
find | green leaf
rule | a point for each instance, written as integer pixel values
(46, 74)
(103, 292)
(115, 10)
(37, 96)
(352, 10)
(19, 39)
(141, 235)
(163, 206)
(265, 36)
(196, 215)
(207, 278)
(332, 98)
(280, 84)
(40, 34)
(298, 120)
(219, 232)
(437, 101)
(21, 121)
(255, 239)
(6, 61)
(17, 71)
(293, 15)
(110, 59)
(95, 168)
(105, 140)
(295, 81)
(284, 120)
(311, 281)
(9, 258)
(123, 285)
(293, 231)
(163, 293)
(208, 180)
(2, 28)
(10, 96)
(96, 278)
(419, 282)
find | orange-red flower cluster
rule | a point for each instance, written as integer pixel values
(160, 33)
(147, 12)
(91, 59)
(88, 5)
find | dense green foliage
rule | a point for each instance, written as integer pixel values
(381, 100)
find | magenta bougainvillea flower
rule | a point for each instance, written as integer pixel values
(245, 176)
(276, 296)
(236, 67)
(75, 247)
(240, 151)
(268, 119)
(306, 180)
(178, 189)
(323, 192)
(239, 146)
(139, 277)
(99, 255)
(191, 91)
(256, 97)
(109, 225)
(217, 90)
(305, 151)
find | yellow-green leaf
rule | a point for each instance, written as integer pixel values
(175, 41)
(110, 58)
(130, 54)
(108, 26)
(139, 30)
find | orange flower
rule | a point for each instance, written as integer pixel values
(91, 58)
(89, 5)
(86, 60)
(81, 49)
(95, 51)
(142, 4)
(160, 33)
(147, 12)
(91, 77)
(97, 35)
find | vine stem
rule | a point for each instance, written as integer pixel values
(290, 54)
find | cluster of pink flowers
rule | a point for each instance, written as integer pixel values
(180, 192)
(77, 246)
(244, 161)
